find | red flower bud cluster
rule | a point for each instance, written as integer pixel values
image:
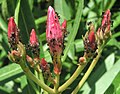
(106, 21)
(44, 64)
(13, 33)
(104, 30)
(55, 34)
(46, 70)
(92, 41)
(90, 44)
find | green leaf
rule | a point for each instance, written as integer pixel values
(3, 33)
(1, 1)
(40, 20)
(71, 52)
(74, 29)
(4, 9)
(109, 4)
(25, 21)
(116, 22)
(17, 10)
(5, 90)
(113, 42)
(23, 81)
(89, 86)
(31, 2)
(109, 61)
(116, 34)
(9, 71)
(79, 46)
(63, 8)
(47, 56)
(11, 7)
(105, 81)
(3, 25)
(116, 84)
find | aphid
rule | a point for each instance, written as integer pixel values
(89, 23)
(57, 15)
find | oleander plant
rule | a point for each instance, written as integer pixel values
(59, 47)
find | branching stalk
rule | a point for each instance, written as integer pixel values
(72, 78)
(31, 76)
(82, 81)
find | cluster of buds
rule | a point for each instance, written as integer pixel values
(34, 47)
(103, 31)
(18, 50)
(90, 43)
(55, 34)
(92, 40)
(45, 67)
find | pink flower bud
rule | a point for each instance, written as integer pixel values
(53, 26)
(33, 38)
(106, 21)
(11, 27)
(106, 17)
(34, 44)
(54, 33)
(13, 37)
(91, 37)
(103, 31)
(43, 64)
(63, 28)
(57, 69)
(82, 60)
(64, 24)
(90, 44)
(30, 60)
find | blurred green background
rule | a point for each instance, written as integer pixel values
(28, 14)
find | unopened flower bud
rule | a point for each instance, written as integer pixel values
(30, 61)
(33, 38)
(13, 37)
(64, 24)
(104, 30)
(90, 44)
(57, 69)
(34, 44)
(46, 70)
(43, 64)
(17, 55)
(54, 33)
(63, 28)
(91, 38)
(82, 60)
(14, 56)
(55, 37)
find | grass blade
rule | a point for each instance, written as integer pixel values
(75, 28)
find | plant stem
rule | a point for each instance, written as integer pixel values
(36, 75)
(94, 62)
(33, 85)
(72, 78)
(31, 76)
(42, 79)
(57, 78)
